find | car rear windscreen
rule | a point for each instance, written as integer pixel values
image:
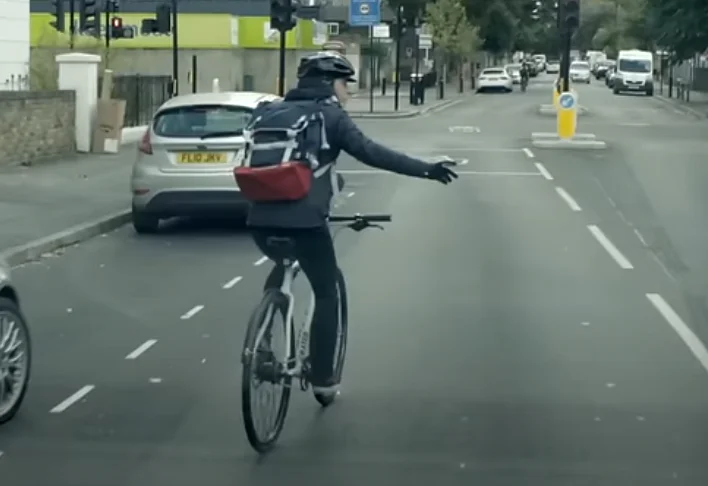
(580, 66)
(199, 120)
(492, 71)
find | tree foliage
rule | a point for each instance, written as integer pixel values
(451, 28)
(678, 26)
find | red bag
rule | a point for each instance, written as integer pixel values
(287, 181)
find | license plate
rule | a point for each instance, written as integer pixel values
(201, 158)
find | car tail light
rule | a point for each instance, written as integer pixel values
(145, 145)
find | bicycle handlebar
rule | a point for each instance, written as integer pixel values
(360, 222)
(369, 218)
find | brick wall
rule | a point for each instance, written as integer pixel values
(35, 125)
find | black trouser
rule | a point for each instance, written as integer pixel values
(314, 250)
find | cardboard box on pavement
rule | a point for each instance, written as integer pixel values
(109, 125)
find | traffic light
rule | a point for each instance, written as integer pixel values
(58, 14)
(571, 14)
(282, 15)
(117, 28)
(163, 19)
(88, 17)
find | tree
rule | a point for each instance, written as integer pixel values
(452, 32)
(678, 26)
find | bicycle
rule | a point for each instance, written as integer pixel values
(295, 363)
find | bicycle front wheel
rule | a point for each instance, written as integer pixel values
(340, 350)
(264, 419)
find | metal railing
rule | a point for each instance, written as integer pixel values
(143, 95)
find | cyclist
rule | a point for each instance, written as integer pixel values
(524, 74)
(323, 78)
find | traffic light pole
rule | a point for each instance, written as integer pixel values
(565, 65)
(109, 31)
(399, 33)
(281, 63)
(72, 23)
(175, 53)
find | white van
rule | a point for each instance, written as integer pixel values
(634, 72)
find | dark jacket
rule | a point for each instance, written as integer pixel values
(342, 135)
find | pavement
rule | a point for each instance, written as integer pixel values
(538, 322)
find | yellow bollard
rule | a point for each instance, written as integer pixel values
(567, 117)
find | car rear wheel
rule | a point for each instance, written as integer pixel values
(144, 223)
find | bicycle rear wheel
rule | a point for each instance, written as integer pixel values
(261, 367)
(340, 350)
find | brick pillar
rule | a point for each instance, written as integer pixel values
(79, 72)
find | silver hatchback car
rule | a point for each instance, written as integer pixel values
(15, 348)
(186, 158)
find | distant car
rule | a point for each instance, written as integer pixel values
(15, 348)
(580, 72)
(601, 68)
(553, 67)
(186, 158)
(514, 71)
(495, 79)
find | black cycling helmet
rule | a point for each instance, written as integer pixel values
(329, 65)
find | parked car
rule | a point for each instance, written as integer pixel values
(580, 72)
(15, 348)
(186, 158)
(514, 71)
(495, 79)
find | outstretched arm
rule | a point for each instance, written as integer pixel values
(362, 148)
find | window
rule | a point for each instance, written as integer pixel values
(634, 66)
(198, 120)
(580, 66)
(492, 72)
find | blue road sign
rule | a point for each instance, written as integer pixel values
(364, 13)
(567, 100)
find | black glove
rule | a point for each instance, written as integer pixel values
(441, 172)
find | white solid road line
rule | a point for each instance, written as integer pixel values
(192, 312)
(568, 199)
(544, 172)
(141, 349)
(261, 261)
(72, 399)
(230, 284)
(610, 247)
(685, 333)
(528, 153)
(351, 194)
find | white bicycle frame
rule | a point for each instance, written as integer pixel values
(302, 347)
(303, 338)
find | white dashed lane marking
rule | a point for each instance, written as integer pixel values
(568, 199)
(63, 406)
(192, 312)
(135, 354)
(230, 284)
(544, 172)
(610, 248)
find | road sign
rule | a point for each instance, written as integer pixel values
(567, 117)
(566, 101)
(364, 13)
(381, 31)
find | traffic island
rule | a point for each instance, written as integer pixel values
(579, 141)
(551, 110)
(566, 136)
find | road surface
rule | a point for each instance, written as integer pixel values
(538, 322)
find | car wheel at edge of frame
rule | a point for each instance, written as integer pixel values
(11, 307)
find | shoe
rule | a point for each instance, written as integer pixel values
(326, 387)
